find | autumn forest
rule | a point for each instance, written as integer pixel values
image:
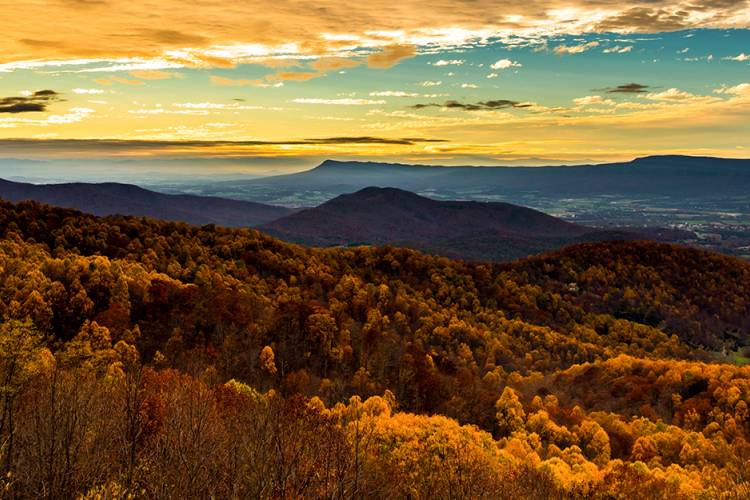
(148, 359)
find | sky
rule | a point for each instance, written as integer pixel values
(264, 86)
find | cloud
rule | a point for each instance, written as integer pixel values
(117, 79)
(294, 76)
(73, 115)
(88, 91)
(469, 86)
(618, 50)
(208, 34)
(125, 147)
(628, 88)
(338, 102)
(144, 74)
(174, 37)
(326, 64)
(430, 83)
(739, 58)
(672, 94)
(242, 82)
(34, 102)
(655, 19)
(369, 140)
(479, 106)
(390, 56)
(505, 64)
(165, 111)
(216, 105)
(321, 67)
(590, 100)
(743, 90)
(394, 93)
(575, 49)
(448, 62)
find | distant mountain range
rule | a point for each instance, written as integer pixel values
(127, 199)
(654, 176)
(464, 229)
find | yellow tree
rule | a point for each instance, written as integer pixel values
(510, 415)
(21, 348)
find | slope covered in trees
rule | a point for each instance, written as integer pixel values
(165, 360)
(460, 229)
(111, 198)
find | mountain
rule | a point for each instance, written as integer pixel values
(673, 176)
(466, 229)
(127, 199)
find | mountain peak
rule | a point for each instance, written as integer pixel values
(380, 215)
(390, 191)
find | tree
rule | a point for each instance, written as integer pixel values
(22, 356)
(510, 415)
(267, 361)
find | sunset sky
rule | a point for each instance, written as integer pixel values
(445, 82)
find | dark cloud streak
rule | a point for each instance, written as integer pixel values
(479, 106)
(115, 145)
(34, 103)
(628, 88)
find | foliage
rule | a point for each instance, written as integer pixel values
(153, 359)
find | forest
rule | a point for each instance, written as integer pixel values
(149, 359)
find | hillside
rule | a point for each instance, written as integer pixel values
(194, 351)
(126, 199)
(464, 229)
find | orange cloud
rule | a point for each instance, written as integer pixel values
(295, 76)
(208, 34)
(390, 56)
(117, 79)
(154, 75)
(326, 64)
(230, 82)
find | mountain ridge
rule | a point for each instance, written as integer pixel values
(463, 229)
(110, 198)
(674, 180)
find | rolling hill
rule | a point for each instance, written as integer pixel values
(224, 349)
(464, 229)
(127, 199)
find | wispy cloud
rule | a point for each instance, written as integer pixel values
(338, 102)
(576, 49)
(739, 58)
(448, 62)
(87, 91)
(618, 50)
(117, 79)
(153, 74)
(394, 93)
(242, 82)
(592, 100)
(186, 147)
